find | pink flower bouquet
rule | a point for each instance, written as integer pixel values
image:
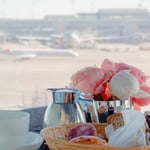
(113, 81)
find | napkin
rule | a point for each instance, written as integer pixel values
(131, 134)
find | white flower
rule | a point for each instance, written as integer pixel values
(124, 85)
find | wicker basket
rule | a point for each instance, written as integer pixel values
(55, 138)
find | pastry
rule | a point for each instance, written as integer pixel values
(116, 120)
(89, 140)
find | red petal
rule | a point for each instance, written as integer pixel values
(141, 101)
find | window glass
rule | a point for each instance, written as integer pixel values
(43, 42)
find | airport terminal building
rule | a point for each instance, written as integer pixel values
(131, 25)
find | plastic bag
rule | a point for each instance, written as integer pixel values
(131, 134)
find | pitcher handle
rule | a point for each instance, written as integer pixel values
(90, 107)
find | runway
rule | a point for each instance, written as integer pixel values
(24, 83)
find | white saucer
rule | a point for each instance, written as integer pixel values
(33, 142)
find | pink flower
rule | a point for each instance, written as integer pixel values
(113, 68)
(88, 79)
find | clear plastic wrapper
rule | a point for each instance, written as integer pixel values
(132, 134)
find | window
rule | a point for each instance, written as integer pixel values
(43, 42)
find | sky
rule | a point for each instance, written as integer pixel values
(24, 9)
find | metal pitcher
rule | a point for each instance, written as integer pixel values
(64, 107)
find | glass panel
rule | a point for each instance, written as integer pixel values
(43, 42)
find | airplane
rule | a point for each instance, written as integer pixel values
(87, 38)
(31, 53)
(29, 39)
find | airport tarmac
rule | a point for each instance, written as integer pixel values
(23, 83)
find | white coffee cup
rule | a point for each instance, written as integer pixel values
(14, 127)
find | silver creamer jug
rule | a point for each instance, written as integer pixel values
(64, 107)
